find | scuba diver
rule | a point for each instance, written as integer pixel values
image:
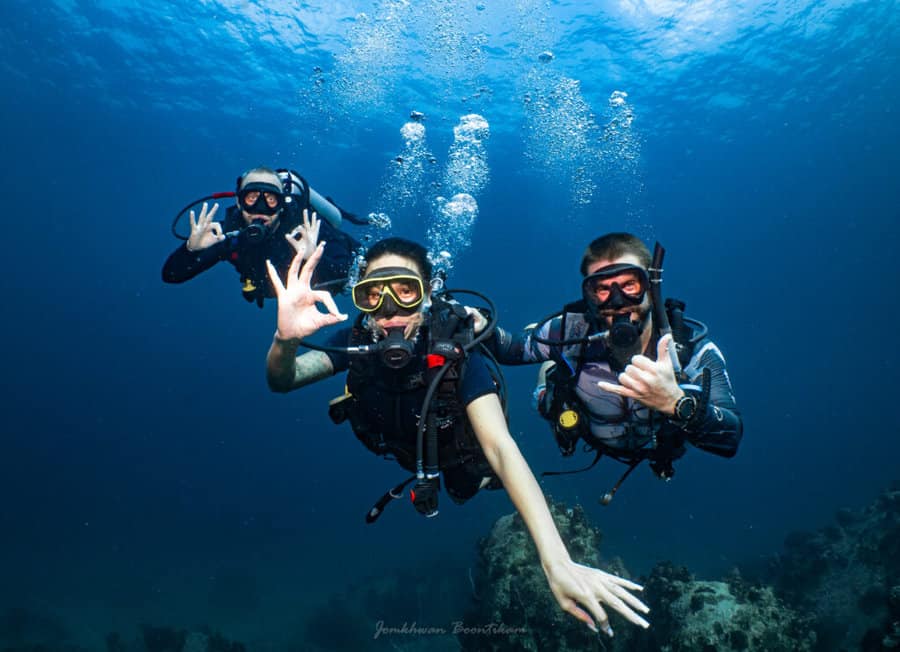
(625, 373)
(268, 209)
(418, 391)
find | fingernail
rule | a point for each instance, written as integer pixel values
(593, 628)
(608, 630)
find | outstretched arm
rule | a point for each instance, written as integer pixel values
(510, 348)
(577, 588)
(298, 317)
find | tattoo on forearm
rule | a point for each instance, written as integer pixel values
(310, 367)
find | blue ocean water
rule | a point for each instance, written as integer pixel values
(149, 475)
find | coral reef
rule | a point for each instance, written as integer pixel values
(691, 615)
(835, 589)
(846, 575)
(516, 610)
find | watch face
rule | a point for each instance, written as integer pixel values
(685, 408)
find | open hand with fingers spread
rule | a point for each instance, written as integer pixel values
(306, 234)
(650, 382)
(298, 315)
(578, 588)
(204, 232)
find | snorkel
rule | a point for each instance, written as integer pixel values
(660, 318)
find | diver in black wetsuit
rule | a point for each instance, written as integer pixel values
(610, 379)
(269, 209)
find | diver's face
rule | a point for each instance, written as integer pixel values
(270, 221)
(403, 318)
(629, 283)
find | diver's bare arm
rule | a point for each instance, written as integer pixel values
(576, 588)
(285, 370)
(486, 416)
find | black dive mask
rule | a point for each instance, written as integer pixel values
(628, 289)
(625, 293)
(261, 198)
(395, 351)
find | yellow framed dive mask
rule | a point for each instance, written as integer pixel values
(400, 285)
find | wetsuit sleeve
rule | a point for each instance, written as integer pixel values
(520, 348)
(183, 265)
(719, 429)
(508, 347)
(477, 380)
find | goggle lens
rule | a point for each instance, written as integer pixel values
(272, 200)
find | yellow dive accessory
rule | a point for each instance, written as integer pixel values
(568, 419)
(402, 285)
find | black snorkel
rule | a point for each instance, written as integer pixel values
(660, 318)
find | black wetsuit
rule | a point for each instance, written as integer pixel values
(249, 258)
(387, 404)
(621, 426)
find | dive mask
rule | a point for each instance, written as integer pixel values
(390, 288)
(601, 290)
(261, 198)
(614, 288)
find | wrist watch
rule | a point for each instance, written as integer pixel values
(685, 408)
